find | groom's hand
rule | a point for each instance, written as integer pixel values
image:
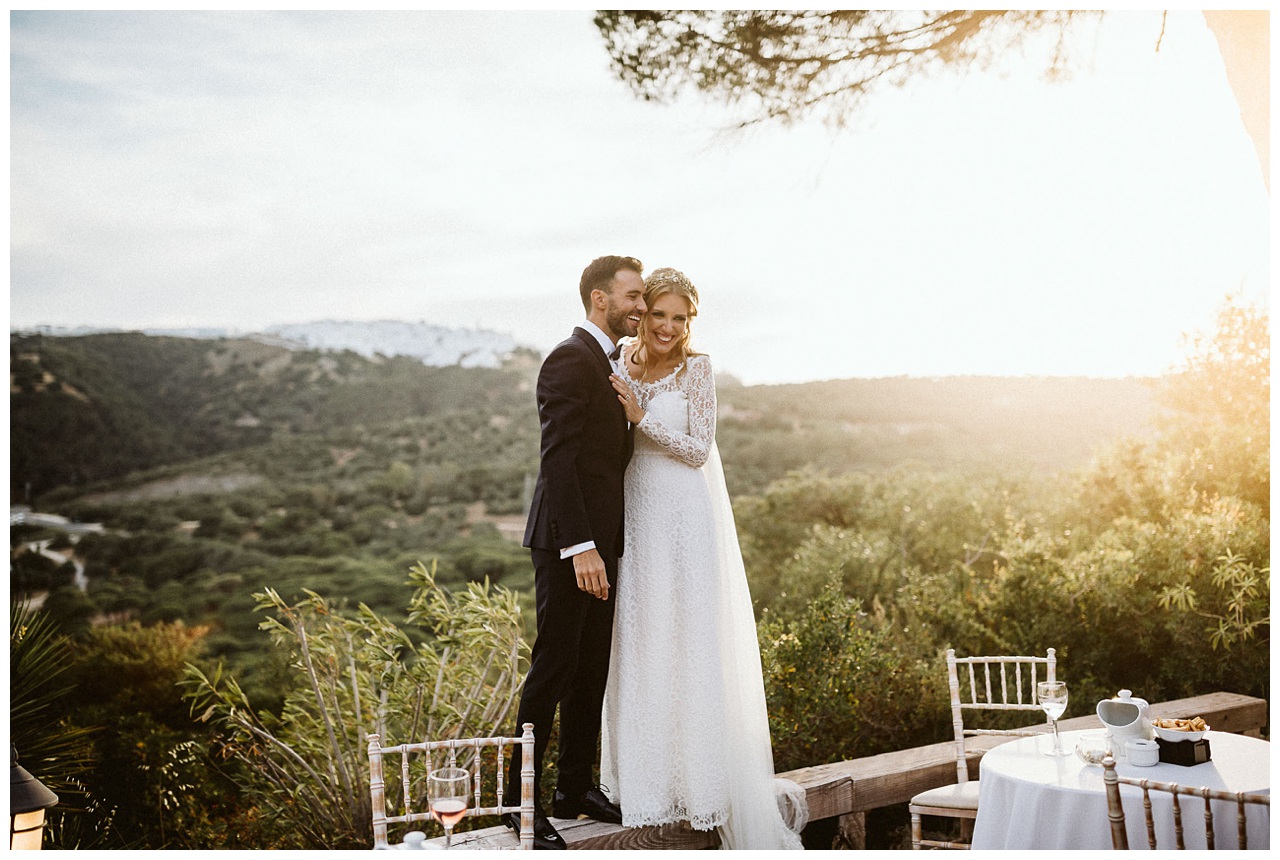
(589, 568)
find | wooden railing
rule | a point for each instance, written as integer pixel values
(847, 790)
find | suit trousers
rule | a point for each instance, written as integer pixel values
(569, 668)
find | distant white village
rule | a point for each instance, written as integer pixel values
(433, 345)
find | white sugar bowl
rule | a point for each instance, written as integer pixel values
(1142, 752)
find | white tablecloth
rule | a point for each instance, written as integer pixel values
(1030, 800)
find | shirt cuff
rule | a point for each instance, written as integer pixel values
(577, 549)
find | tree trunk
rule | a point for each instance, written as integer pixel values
(1245, 44)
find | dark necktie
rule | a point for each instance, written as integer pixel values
(616, 354)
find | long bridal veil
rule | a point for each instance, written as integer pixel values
(764, 812)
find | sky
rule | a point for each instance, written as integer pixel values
(239, 170)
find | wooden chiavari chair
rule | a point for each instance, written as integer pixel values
(453, 749)
(1115, 809)
(1009, 686)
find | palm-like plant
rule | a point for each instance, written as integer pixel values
(53, 750)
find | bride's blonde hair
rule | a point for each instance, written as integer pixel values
(662, 282)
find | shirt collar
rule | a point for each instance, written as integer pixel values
(606, 343)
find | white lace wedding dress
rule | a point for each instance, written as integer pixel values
(686, 733)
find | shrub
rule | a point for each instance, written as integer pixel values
(839, 686)
(308, 769)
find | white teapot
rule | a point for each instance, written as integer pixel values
(1125, 718)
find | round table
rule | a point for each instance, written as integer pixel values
(1032, 800)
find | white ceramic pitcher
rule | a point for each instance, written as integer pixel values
(1125, 718)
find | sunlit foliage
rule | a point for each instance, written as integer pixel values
(841, 684)
(307, 769)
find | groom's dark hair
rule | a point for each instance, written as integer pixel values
(600, 271)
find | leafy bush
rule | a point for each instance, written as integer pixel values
(308, 770)
(31, 572)
(840, 685)
(153, 780)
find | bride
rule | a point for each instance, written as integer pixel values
(686, 734)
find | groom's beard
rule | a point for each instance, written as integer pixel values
(616, 319)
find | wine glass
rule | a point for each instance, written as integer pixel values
(1052, 696)
(449, 790)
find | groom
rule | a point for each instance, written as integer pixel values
(575, 537)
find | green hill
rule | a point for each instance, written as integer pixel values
(970, 423)
(84, 410)
(219, 468)
(93, 408)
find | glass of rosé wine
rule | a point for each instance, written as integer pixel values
(449, 791)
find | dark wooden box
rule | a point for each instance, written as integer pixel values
(1185, 753)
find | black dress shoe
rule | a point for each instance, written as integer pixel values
(545, 836)
(590, 804)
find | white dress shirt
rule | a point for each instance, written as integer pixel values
(606, 343)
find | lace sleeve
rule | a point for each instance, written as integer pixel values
(699, 386)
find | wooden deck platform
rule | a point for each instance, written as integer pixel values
(848, 789)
